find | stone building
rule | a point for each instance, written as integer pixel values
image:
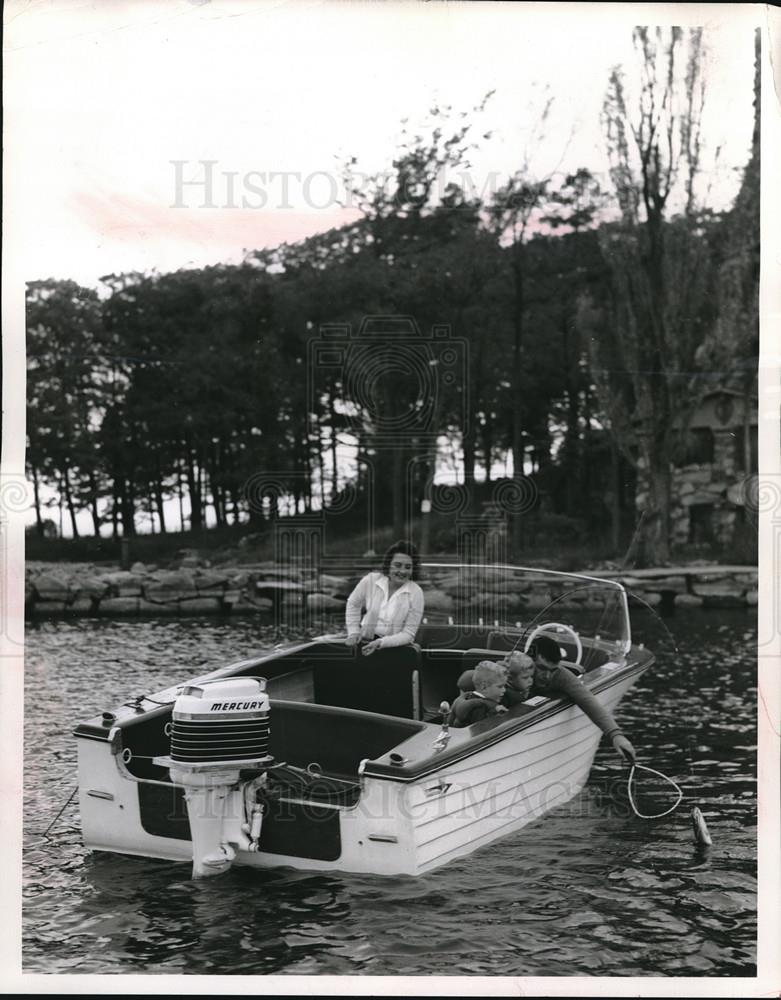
(715, 456)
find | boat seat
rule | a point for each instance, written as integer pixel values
(386, 682)
(504, 641)
(471, 657)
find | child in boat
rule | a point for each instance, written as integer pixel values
(552, 680)
(520, 677)
(489, 681)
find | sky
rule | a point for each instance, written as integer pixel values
(118, 114)
(111, 108)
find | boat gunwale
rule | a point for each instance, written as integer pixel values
(496, 730)
(492, 731)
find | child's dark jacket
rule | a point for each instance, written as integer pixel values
(471, 707)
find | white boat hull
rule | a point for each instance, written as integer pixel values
(397, 827)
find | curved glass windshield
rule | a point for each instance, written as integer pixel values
(519, 600)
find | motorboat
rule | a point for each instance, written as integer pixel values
(316, 757)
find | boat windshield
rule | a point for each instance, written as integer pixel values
(521, 600)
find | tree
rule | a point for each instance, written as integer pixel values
(407, 220)
(732, 344)
(660, 255)
(515, 209)
(65, 395)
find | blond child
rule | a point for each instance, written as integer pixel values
(520, 677)
(489, 680)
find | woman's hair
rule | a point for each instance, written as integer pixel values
(407, 549)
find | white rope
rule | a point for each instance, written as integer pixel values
(664, 777)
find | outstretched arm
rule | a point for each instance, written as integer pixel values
(565, 683)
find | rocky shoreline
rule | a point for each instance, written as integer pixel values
(194, 587)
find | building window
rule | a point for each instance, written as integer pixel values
(701, 523)
(740, 449)
(695, 447)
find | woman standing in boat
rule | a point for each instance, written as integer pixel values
(390, 601)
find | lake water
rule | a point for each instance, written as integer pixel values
(588, 890)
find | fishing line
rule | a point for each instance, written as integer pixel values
(630, 791)
(67, 803)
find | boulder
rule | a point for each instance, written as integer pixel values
(723, 601)
(324, 602)
(201, 606)
(138, 567)
(169, 586)
(157, 609)
(723, 588)
(274, 573)
(279, 589)
(438, 600)
(48, 607)
(90, 586)
(486, 577)
(537, 600)
(650, 599)
(752, 598)
(209, 581)
(456, 584)
(81, 606)
(499, 605)
(118, 606)
(687, 601)
(583, 601)
(247, 607)
(123, 584)
(51, 588)
(676, 584)
(336, 586)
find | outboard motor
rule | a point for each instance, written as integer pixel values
(219, 729)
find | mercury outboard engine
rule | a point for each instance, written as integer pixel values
(219, 729)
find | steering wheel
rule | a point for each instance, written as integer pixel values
(570, 633)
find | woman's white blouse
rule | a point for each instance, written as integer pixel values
(395, 618)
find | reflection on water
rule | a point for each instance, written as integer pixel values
(589, 889)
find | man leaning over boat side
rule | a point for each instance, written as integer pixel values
(392, 600)
(552, 679)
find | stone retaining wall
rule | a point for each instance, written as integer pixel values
(84, 589)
